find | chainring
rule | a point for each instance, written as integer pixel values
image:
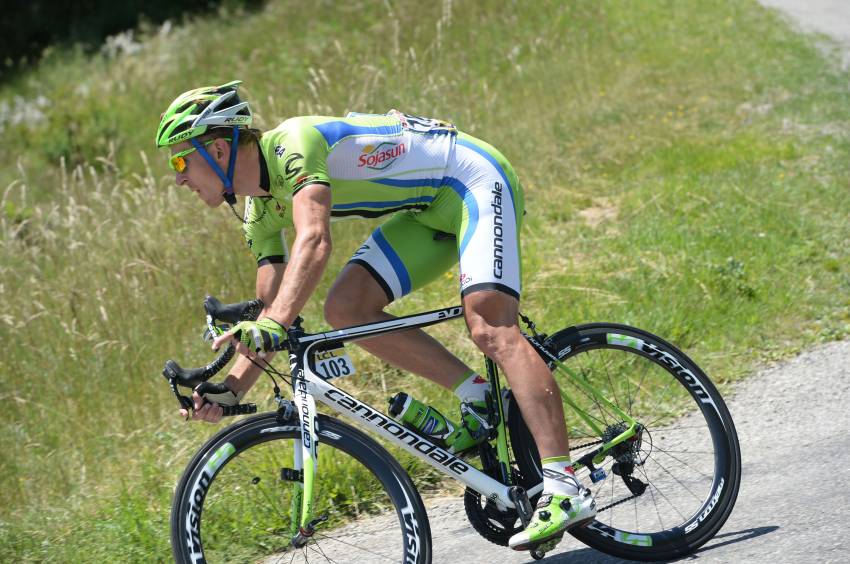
(489, 521)
(494, 525)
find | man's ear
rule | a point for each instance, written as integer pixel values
(222, 149)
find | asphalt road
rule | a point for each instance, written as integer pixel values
(828, 17)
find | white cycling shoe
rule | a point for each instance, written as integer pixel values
(555, 514)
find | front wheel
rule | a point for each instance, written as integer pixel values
(668, 490)
(233, 503)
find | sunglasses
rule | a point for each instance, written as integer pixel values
(177, 161)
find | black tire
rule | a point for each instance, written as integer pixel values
(232, 504)
(688, 456)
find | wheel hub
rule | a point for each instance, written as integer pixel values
(628, 453)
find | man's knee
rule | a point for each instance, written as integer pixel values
(334, 312)
(492, 321)
(494, 341)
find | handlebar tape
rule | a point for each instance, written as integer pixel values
(233, 313)
(240, 409)
(191, 377)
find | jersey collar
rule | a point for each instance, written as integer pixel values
(265, 183)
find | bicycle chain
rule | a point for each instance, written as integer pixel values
(585, 445)
(610, 505)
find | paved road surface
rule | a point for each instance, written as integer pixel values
(829, 17)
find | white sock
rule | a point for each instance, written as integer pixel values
(559, 477)
(472, 387)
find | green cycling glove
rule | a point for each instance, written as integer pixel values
(261, 336)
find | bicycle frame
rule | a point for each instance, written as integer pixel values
(309, 386)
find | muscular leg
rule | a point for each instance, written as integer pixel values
(356, 298)
(492, 320)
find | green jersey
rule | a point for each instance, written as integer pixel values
(374, 164)
(454, 198)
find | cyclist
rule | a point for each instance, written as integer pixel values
(449, 197)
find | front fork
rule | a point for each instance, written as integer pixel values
(305, 459)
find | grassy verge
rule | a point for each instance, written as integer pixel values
(685, 169)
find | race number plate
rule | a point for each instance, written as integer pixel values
(334, 363)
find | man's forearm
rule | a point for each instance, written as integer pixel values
(244, 374)
(309, 257)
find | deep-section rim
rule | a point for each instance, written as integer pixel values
(265, 428)
(673, 542)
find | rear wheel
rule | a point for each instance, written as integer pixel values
(669, 490)
(234, 501)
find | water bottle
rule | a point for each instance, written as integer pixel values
(432, 424)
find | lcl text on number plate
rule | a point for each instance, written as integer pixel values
(333, 363)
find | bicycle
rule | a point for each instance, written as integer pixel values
(303, 486)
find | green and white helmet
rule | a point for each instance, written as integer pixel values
(194, 112)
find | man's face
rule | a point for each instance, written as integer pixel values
(198, 176)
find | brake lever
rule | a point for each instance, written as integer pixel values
(213, 331)
(184, 401)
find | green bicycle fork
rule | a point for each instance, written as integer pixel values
(296, 504)
(302, 523)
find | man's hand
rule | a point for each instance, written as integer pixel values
(208, 399)
(204, 411)
(254, 338)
